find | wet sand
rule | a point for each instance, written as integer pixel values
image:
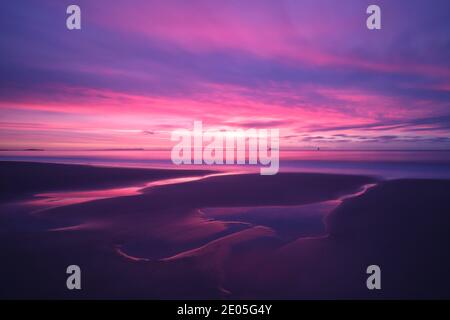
(22, 179)
(203, 238)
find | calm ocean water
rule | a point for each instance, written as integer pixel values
(386, 164)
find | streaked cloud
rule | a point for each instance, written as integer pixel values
(138, 70)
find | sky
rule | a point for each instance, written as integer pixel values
(137, 70)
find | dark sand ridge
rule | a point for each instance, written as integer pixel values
(250, 262)
(402, 225)
(22, 179)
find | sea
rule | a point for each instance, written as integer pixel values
(385, 164)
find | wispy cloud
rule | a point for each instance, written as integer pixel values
(138, 70)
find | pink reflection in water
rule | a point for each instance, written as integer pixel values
(64, 198)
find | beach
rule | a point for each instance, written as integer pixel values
(188, 234)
